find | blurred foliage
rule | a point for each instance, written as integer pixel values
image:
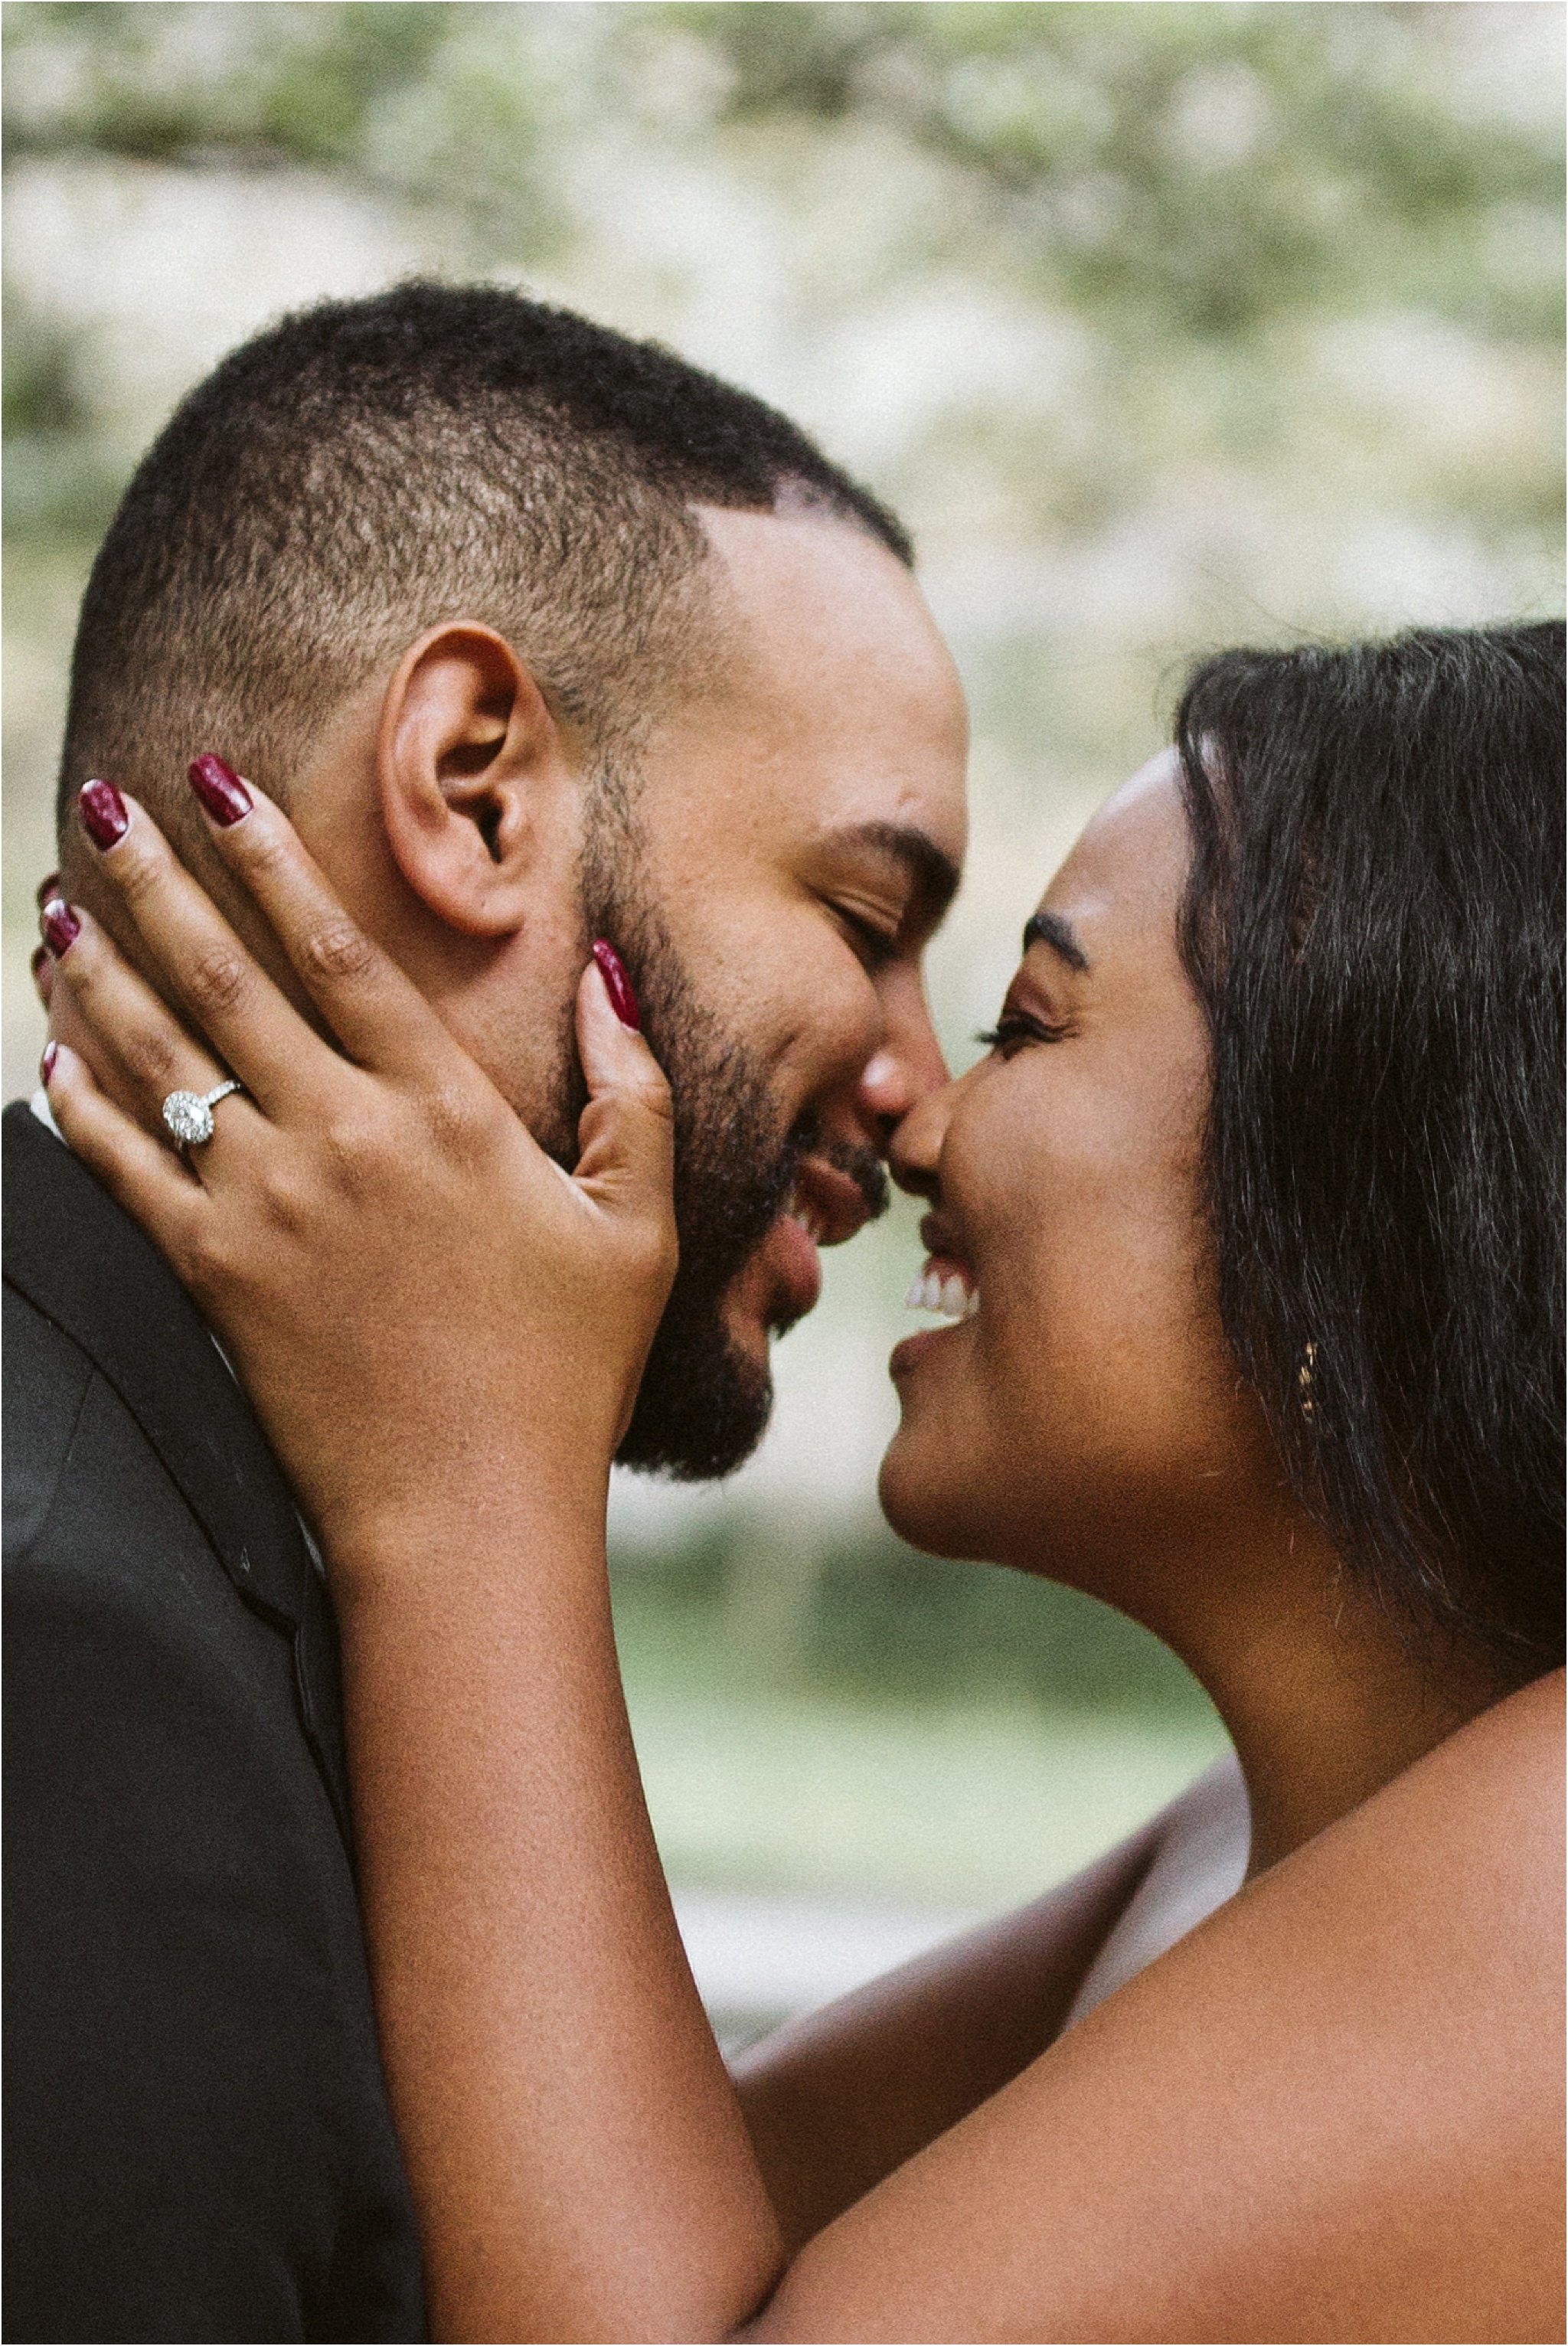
(174, 83)
(1189, 190)
(1190, 169)
(60, 481)
(1198, 170)
(868, 1617)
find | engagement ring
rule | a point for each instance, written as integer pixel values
(189, 1115)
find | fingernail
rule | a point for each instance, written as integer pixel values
(47, 1064)
(103, 811)
(617, 986)
(45, 889)
(60, 925)
(219, 788)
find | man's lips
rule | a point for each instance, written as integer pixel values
(789, 1252)
(784, 1277)
(829, 1204)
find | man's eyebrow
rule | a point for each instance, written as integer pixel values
(932, 874)
(1051, 929)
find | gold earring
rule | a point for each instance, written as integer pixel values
(1304, 1377)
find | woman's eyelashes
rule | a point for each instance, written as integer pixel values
(1013, 1029)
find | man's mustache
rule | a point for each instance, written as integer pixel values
(859, 1163)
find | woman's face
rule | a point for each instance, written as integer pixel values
(1086, 1414)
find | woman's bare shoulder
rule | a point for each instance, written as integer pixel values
(1333, 2111)
(1525, 1728)
(1482, 1807)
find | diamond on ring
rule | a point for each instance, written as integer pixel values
(189, 1115)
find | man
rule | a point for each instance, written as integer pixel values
(541, 636)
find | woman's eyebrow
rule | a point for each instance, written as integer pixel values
(1051, 929)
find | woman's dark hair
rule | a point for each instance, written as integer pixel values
(1373, 924)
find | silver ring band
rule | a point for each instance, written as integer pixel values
(189, 1115)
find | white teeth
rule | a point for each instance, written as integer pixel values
(949, 1296)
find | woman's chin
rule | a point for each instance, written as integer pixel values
(927, 1484)
(926, 1502)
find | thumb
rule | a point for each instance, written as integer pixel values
(627, 1132)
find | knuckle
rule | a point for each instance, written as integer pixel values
(454, 1119)
(262, 848)
(138, 869)
(283, 1203)
(216, 979)
(202, 1258)
(338, 950)
(154, 1058)
(656, 1096)
(653, 1249)
(355, 1149)
(92, 977)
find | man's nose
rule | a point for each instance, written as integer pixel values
(907, 1069)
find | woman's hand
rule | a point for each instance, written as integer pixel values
(443, 1335)
(420, 1301)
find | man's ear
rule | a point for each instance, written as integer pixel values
(470, 764)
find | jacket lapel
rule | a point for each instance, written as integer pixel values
(88, 1269)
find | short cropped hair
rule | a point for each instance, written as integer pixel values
(1373, 924)
(368, 468)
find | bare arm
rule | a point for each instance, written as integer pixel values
(834, 2102)
(1334, 2111)
(579, 2157)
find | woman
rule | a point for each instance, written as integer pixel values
(1253, 1202)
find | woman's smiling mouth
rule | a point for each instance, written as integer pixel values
(945, 1284)
(945, 1287)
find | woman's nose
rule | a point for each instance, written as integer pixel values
(914, 1148)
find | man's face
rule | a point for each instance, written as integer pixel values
(796, 833)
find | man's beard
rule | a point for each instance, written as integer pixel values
(703, 1402)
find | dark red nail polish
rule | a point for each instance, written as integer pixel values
(103, 812)
(47, 1064)
(45, 889)
(219, 788)
(617, 986)
(60, 925)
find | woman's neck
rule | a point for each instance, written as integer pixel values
(1321, 1730)
(1327, 1696)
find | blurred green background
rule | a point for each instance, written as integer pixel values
(1164, 326)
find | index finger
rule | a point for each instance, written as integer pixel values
(364, 998)
(231, 1002)
(380, 1017)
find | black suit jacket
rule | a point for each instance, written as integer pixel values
(199, 2142)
